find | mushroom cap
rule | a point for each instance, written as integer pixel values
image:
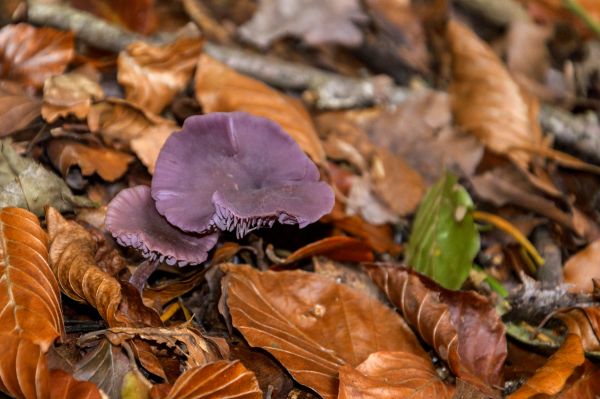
(133, 220)
(235, 171)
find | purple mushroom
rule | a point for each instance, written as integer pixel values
(235, 171)
(133, 220)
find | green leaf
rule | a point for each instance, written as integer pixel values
(25, 183)
(444, 239)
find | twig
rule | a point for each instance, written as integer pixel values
(577, 9)
(550, 275)
(209, 27)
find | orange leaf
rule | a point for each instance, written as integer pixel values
(311, 324)
(23, 368)
(584, 322)
(64, 386)
(338, 248)
(41, 53)
(29, 294)
(551, 377)
(136, 15)
(581, 268)
(17, 108)
(153, 75)
(221, 89)
(220, 379)
(67, 94)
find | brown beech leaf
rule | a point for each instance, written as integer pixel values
(64, 386)
(152, 75)
(341, 248)
(72, 252)
(311, 324)
(29, 293)
(552, 376)
(461, 326)
(23, 368)
(221, 89)
(17, 108)
(136, 15)
(392, 375)
(41, 53)
(67, 94)
(587, 384)
(486, 101)
(109, 164)
(581, 268)
(220, 379)
(584, 322)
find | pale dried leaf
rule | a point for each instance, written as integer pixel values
(17, 108)
(581, 268)
(67, 94)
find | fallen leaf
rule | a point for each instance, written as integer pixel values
(105, 365)
(315, 21)
(136, 15)
(444, 238)
(109, 164)
(313, 325)
(64, 386)
(67, 94)
(72, 252)
(581, 268)
(339, 248)
(220, 379)
(166, 291)
(41, 53)
(485, 99)
(221, 89)
(26, 184)
(152, 75)
(17, 108)
(29, 293)
(23, 368)
(461, 326)
(586, 386)
(555, 11)
(392, 375)
(552, 376)
(585, 323)
(362, 201)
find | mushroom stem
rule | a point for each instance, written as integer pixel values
(142, 273)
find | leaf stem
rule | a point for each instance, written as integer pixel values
(581, 12)
(511, 230)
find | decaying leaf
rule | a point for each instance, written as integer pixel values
(315, 21)
(220, 379)
(462, 327)
(581, 268)
(29, 293)
(109, 164)
(41, 53)
(313, 325)
(221, 89)
(17, 108)
(444, 239)
(26, 184)
(72, 251)
(392, 375)
(67, 94)
(551, 378)
(152, 75)
(23, 368)
(362, 201)
(485, 99)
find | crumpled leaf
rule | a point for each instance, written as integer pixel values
(220, 379)
(584, 322)
(552, 376)
(461, 326)
(72, 250)
(315, 21)
(23, 368)
(41, 53)
(29, 293)
(313, 325)
(392, 375)
(486, 101)
(152, 75)
(581, 268)
(104, 365)
(17, 108)
(109, 164)
(64, 386)
(26, 184)
(67, 94)
(221, 89)
(444, 238)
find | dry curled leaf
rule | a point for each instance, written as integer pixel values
(221, 89)
(311, 324)
(584, 322)
(339, 248)
(23, 368)
(41, 53)
(29, 293)
(17, 108)
(552, 376)
(220, 379)
(109, 164)
(152, 75)
(587, 384)
(392, 375)
(67, 94)
(72, 252)
(316, 21)
(462, 327)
